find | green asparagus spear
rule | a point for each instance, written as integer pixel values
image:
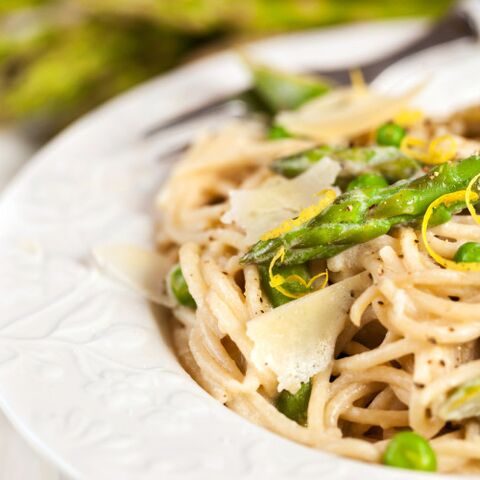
(295, 406)
(104, 57)
(415, 196)
(388, 161)
(367, 180)
(285, 91)
(294, 165)
(366, 213)
(278, 132)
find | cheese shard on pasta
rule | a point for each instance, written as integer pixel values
(297, 340)
(259, 210)
(344, 113)
(138, 268)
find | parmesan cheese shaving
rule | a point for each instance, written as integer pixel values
(142, 270)
(262, 209)
(297, 340)
(343, 113)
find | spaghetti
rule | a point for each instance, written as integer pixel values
(412, 335)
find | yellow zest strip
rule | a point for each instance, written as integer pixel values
(441, 149)
(328, 196)
(277, 280)
(446, 199)
(358, 81)
(407, 118)
(468, 193)
(415, 148)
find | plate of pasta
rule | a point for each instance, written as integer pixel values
(286, 284)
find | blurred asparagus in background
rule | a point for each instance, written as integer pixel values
(264, 15)
(56, 65)
(60, 58)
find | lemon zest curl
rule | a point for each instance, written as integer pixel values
(468, 193)
(414, 147)
(277, 280)
(327, 197)
(446, 199)
(440, 150)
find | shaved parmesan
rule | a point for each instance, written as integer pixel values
(259, 210)
(343, 113)
(142, 270)
(297, 340)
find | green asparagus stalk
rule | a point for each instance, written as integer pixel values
(367, 180)
(285, 91)
(295, 405)
(388, 161)
(277, 132)
(104, 57)
(366, 213)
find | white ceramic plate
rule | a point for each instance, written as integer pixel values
(87, 374)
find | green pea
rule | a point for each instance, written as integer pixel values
(411, 451)
(179, 288)
(295, 405)
(278, 132)
(276, 297)
(468, 252)
(367, 180)
(390, 134)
